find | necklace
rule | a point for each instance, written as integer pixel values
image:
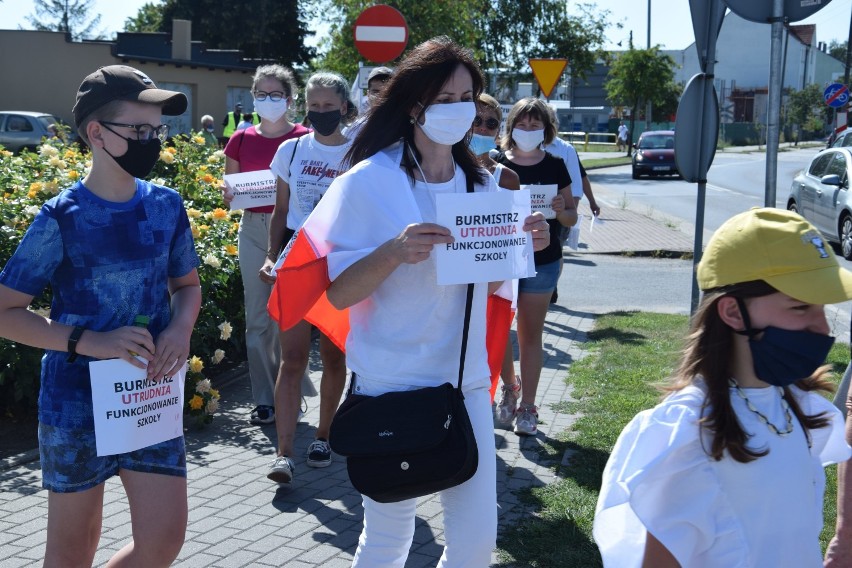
(774, 429)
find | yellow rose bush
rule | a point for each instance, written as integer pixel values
(195, 171)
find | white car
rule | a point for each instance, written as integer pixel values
(820, 194)
(21, 129)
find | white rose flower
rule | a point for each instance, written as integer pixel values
(212, 406)
(203, 386)
(225, 328)
(217, 357)
(212, 260)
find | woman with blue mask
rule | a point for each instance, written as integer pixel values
(728, 469)
(486, 131)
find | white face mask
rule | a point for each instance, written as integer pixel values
(448, 123)
(270, 110)
(528, 140)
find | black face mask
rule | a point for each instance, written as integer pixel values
(140, 158)
(325, 122)
(781, 356)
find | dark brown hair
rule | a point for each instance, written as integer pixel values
(707, 357)
(416, 81)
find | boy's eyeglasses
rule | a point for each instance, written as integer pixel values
(144, 132)
(274, 96)
(490, 124)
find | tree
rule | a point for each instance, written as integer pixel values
(504, 34)
(837, 49)
(807, 110)
(266, 29)
(424, 20)
(513, 32)
(638, 76)
(148, 19)
(69, 16)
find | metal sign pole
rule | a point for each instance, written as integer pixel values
(773, 111)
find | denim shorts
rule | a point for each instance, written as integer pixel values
(70, 462)
(544, 281)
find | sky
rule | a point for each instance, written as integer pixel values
(671, 25)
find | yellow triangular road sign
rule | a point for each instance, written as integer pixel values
(547, 73)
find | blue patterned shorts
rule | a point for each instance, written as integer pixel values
(70, 463)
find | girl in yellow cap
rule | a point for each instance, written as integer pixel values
(728, 469)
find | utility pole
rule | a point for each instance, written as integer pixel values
(648, 46)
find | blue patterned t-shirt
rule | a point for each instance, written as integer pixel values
(106, 263)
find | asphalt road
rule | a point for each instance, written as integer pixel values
(603, 283)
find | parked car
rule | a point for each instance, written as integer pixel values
(24, 129)
(843, 139)
(820, 194)
(653, 154)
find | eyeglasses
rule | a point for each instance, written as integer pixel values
(274, 96)
(144, 132)
(490, 124)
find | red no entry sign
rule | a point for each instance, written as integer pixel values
(381, 33)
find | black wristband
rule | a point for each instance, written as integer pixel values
(72, 343)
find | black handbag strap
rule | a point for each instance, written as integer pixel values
(467, 309)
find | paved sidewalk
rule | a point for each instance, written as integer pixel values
(239, 518)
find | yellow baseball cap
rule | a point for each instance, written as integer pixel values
(782, 249)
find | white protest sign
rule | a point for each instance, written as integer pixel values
(540, 198)
(490, 242)
(252, 189)
(132, 411)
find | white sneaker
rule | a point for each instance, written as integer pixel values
(281, 470)
(505, 410)
(526, 421)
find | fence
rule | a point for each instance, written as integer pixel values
(586, 138)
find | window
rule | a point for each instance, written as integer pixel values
(17, 123)
(819, 165)
(837, 165)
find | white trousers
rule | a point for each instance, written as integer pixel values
(262, 345)
(470, 509)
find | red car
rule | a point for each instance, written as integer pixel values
(654, 154)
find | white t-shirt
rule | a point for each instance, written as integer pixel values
(622, 132)
(707, 513)
(311, 170)
(562, 149)
(408, 331)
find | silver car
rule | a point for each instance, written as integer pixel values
(24, 129)
(820, 194)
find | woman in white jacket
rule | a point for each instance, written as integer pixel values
(405, 329)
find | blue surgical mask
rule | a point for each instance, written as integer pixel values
(481, 144)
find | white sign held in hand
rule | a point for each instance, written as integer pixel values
(132, 411)
(490, 242)
(251, 189)
(541, 197)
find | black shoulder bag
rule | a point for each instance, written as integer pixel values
(401, 445)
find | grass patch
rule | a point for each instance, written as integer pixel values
(629, 354)
(592, 163)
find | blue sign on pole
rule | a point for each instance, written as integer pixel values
(836, 95)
